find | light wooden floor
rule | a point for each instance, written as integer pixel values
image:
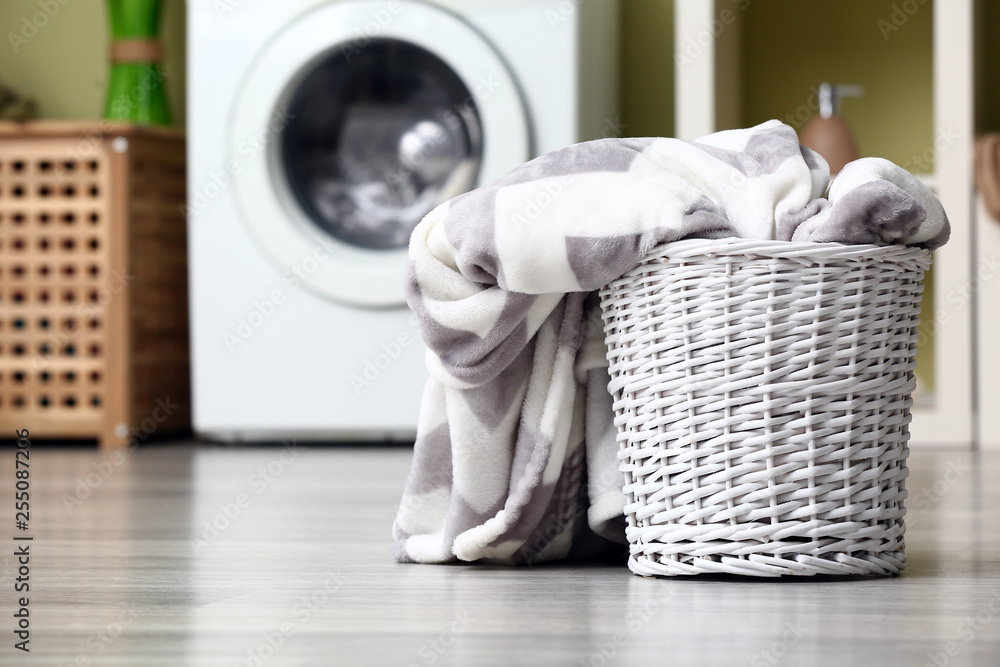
(116, 578)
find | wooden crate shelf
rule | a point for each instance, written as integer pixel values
(93, 282)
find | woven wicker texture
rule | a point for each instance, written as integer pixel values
(762, 395)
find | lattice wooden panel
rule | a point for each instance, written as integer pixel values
(92, 279)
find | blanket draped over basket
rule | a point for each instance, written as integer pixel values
(516, 457)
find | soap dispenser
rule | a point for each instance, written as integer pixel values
(827, 133)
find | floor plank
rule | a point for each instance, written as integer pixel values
(201, 555)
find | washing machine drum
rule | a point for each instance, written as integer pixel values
(373, 144)
(362, 138)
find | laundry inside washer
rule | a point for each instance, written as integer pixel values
(377, 139)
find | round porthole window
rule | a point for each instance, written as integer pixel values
(377, 139)
(342, 147)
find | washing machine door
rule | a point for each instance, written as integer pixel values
(354, 122)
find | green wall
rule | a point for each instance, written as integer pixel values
(791, 46)
(987, 66)
(647, 68)
(63, 65)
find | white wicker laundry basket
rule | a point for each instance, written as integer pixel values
(762, 395)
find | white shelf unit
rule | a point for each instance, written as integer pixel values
(708, 42)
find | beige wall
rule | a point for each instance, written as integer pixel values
(63, 65)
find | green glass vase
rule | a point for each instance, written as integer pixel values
(135, 91)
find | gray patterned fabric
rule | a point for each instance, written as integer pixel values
(515, 459)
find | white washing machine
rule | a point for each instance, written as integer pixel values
(319, 134)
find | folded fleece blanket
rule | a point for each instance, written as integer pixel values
(515, 459)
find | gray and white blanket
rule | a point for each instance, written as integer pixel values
(515, 458)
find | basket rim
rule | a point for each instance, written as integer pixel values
(797, 250)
